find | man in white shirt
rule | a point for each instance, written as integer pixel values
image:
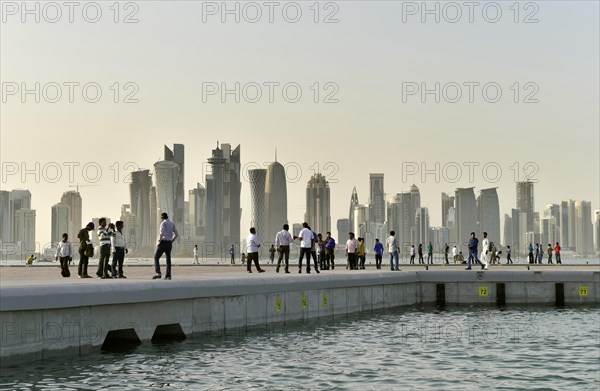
(392, 244)
(64, 251)
(196, 261)
(352, 251)
(485, 253)
(283, 240)
(455, 254)
(120, 249)
(306, 245)
(252, 244)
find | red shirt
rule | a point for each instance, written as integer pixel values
(557, 249)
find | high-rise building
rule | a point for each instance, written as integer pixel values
(232, 191)
(24, 230)
(465, 206)
(515, 242)
(508, 232)
(584, 244)
(353, 203)
(360, 218)
(525, 202)
(257, 178)
(563, 223)
(318, 207)
(18, 199)
(488, 208)
(376, 198)
(177, 156)
(553, 210)
(72, 199)
(548, 231)
(597, 223)
(275, 201)
(154, 219)
(60, 224)
(5, 220)
(439, 237)
(197, 208)
(165, 177)
(447, 204)
(394, 212)
(129, 227)
(139, 196)
(572, 224)
(422, 226)
(525, 237)
(343, 227)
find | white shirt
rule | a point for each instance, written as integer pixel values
(64, 249)
(283, 238)
(195, 251)
(305, 238)
(252, 243)
(454, 251)
(412, 251)
(351, 246)
(392, 244)
(117, 239)
(486, 244)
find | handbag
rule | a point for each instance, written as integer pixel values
(89, 250)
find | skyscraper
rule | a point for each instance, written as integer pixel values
(18, 199)
(24, 229)
(376, 198)
(583, 228)
(447, 203)
(361, 218)
(197, 210)
(165, 177)
(318, 207)
(5, 220)
(257, 178)
(232, 189)
(214, 198)
(597, 223)
(422, 226)
(343, 228)
(525, 202)
(275, 201)
(508, 232)
(139, 195)
(466, 215)
(60, 224)
(177, 156)
(563, 223)
(72, 199)
(572, 221)
(154, 220)
(353, 204)
(488, 208)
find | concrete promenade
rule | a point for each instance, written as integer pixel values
(42, 314)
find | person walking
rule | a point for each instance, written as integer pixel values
(120, 249)
(272, 252)
(446, 251)
(420, 252)
(283, 240)
(352, 251)
(196, 261)
(306, 245)
(330, 250)
(486, 251)
(430, 253)
(84, 242)
(392, 245)
(321, 248)
(549, 251)
(253, 244)
(167, 235)
(378, 250)
(104, 236)
(64, 252)
(232, 254)
(313, 248)
(413, 252)
(362, 254)
(508, 258)
(455, 254)
(557, 254)
(473, 244)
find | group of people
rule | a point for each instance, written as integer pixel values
(536, 255)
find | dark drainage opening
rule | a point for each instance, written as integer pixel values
(560, 294)
(440, 295)
(168, 332)
(500, 294)
(119, 341)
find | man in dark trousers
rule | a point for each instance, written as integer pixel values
(167, 235)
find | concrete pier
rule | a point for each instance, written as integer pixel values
(40, 319)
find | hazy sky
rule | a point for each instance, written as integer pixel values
(376, 51)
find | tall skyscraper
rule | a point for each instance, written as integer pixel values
(232, 190)
(466, 215)
(422, 226)
(18, 199)
(165, 177)
(343, 227)
(376, 198)
(597, 224)
(360, 218)
(447, 204)
(547, 231)
(584, 244)
(197, 210)
(508, 233)
(72, 199)
(5, 220)
(129, 227)
(154, 219)
(564, 224)
(139, 196)
(60, 224)
(488, 208)
(525, 202)
(24, 229)
(257, 178)
(318, 204)
(177, 156)
(353, 204)
(572, 224)
(515, 242)
(553, 210)
(275, 201)
(394, 212)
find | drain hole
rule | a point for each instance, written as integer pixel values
(168, 332)
(118, 341)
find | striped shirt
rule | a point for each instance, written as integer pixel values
(64, 249)
(104, 236)
(168, 231)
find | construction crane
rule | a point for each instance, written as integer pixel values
(77, 185)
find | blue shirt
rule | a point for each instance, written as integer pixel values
(168, 231)
(378, 248)
(473, 243)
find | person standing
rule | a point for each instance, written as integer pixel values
(420, 252)
(104, 236)
(473, 244)
(283, 240)
(486, 252)
(508, 258)
(392, 245)
(352, 251)
(64, 252)
(378, 249)
(84, 242)
(549, 253)
(196, 261)
(272, 254)
(446, 251)
(541, 254)
(167, 235)
(413, 252)
(321, 247)
(330, 250)
(557, 253)
(120, 249)
(530, 249)
(306, 244)
(232, 254)
(455, 254)
(362, 254)
(313, 248)
(253, 244)
(430, 253)
(537, 253)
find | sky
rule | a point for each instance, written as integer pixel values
(345, 88)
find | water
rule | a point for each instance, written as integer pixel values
(426, 348)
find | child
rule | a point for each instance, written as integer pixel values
(30, 260)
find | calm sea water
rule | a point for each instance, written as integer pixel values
(425, 348)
